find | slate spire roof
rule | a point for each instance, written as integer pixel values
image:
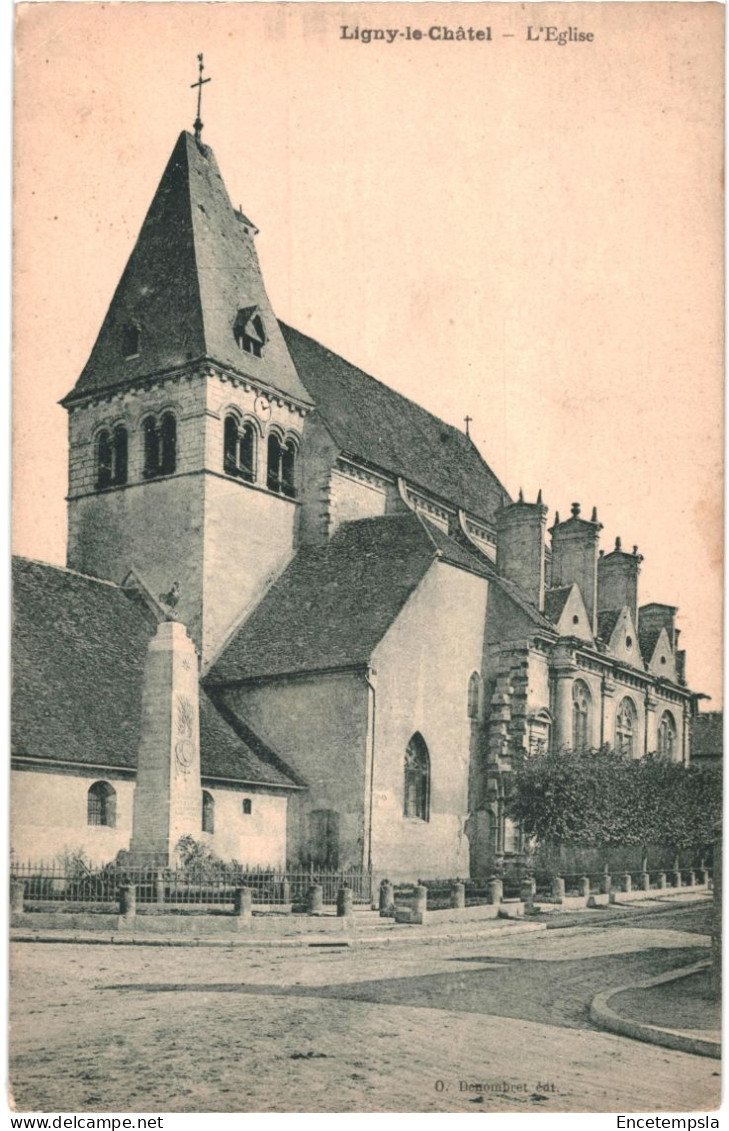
(194, 266)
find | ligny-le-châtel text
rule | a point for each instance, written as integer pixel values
(441, 33)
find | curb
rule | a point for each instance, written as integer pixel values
(607, 1018)
(317, 942)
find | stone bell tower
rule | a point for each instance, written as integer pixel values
(167, 798)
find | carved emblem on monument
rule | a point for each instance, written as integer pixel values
(185, 744)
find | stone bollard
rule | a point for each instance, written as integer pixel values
(558, 888)
(315, 900)
(345, 902)
(128, 901)
(676, 877)
(626, 883)
(662, 881)
(243, 902)
(584, 887)
(420, 903)
(495, 889)
(387, 899)
(458, 895)
(528, 889)
(17, 897)
(606, 882)
(159, 888)
(703, 876)
(286, 891)
(645, 881)
(691, 878)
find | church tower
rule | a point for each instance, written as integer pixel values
(185, 425)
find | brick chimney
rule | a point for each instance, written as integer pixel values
(617, 580)
(574, 557)
(655, 617)
(520, 550)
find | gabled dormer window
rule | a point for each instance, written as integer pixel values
(249, 331)
(131, 340)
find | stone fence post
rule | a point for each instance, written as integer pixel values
(606, 882)
(458, 895)
(243, 902)
(420, 903)
(558, 887)
(387, 899)
(315, 900)
(128, 901)
(645, 881)
(17, 897)
(626, 884)
(585, 886)
(345, 902)
(528, 889)
(662, 881)
(495, 889)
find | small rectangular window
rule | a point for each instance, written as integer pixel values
(247, 807)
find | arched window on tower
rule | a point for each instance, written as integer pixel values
(626, 727)
(160, 446)
(474, 695)
(273, 477)
(208, 812)
(288, 469)
(667, 735)
(104, 460)
(239, 455)
(581, 704)
(101, 804)
(417, 779)
(120, 455)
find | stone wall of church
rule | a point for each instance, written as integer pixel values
(318, 724)
(49, 815)
(256, 838)
(423, 668)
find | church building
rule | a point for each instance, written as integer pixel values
(301, 618)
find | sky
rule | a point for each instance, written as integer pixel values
(519, 231)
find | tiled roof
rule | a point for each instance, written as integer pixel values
(647, 640)
(606, 622)
(372, 422)
(79, 646)
(707, 735)
(555, 601)
(193, 267)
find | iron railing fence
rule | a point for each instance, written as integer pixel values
(192, 886)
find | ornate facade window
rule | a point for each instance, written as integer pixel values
(111, 457)
(160, 446)
(239, 455)
(626, 722)
(282, 458)
(417, 779)
(667, 735)
(208, 812)
(581, 708)
(101, 804)
(474, 695)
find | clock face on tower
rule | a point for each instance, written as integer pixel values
(263, 408)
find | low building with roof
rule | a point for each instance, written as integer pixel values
(377, 628)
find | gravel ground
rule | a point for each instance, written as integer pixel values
(500, 1025)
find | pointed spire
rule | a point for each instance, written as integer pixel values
(539, 495)
(197, 125)
(521, 495)
(618, 543)
(556, 518)
(594, 515)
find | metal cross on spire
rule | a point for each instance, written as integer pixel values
(197, 126)
(468, 420)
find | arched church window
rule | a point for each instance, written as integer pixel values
(239, 457)
(120, 451)
(288, 469)
(104, 460)
(273, 478)
(101, 804)
(625, 727)
(417, 779)
(581, 704)
(160, 446)
(208, 812)
(667, 735)
(474, 695)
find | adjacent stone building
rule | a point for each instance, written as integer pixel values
(377, 626)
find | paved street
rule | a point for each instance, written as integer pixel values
(393, 1028)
